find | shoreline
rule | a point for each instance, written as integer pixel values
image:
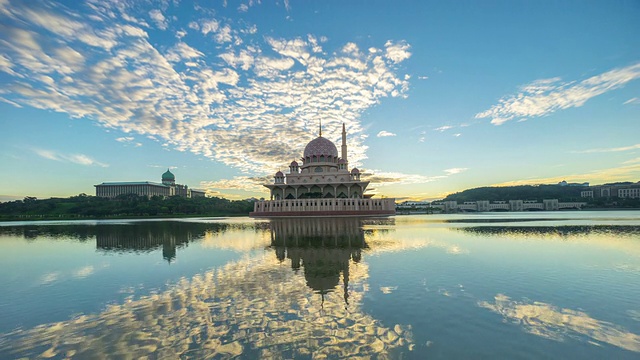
(132, 217)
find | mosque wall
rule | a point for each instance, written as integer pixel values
(324, 207)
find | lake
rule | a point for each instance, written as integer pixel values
(490, 285)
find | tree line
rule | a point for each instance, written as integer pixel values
(127, 205)
(539, 193)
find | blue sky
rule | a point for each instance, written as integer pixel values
(436, 96)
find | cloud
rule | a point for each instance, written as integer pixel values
(454, 171)
(632, 101)
(605, 150)
(384, 133)
(543, 97)
(182, 51)
(599, 176)
(246, 183)
(224, 103)
(382, 178)
(129, 140)
(158, 19)
(79, 159)
(397, 52)
(443, 128)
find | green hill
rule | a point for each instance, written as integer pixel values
(522, 192)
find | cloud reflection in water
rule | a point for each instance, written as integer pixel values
(555, 323)
(254, 307)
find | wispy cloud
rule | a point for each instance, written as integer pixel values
(224, 102)
(455, 171)
(543, 97)
(632, 101)
(443, 128)
(79, 159)
(245, 183)
(384, 133)
(629, 172)
(128, 140)
(382, 178)
(606, 150)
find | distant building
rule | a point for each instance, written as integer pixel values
(413, 205)
(167, 188)
(621, 190)
(564, 183)
(511, 205)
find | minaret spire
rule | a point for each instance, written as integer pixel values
(344, 143)
(320, 128)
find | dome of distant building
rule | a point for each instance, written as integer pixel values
(355, 171)
(168, 175)
(320, 146)
(294, 163)
(279, 173)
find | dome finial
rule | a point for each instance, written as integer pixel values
(320, 128)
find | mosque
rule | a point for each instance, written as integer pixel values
(322, 186)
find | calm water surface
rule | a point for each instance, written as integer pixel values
(504, 285)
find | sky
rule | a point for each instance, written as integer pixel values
(436, 96)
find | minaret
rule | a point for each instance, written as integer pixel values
(344, 143)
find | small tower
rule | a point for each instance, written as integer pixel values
(293, 168)
(342, 165)
(279, 178)
(168, 178)
(355, 174)
(344, 145)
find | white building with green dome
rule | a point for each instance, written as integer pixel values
(322, 186)
(166, 188)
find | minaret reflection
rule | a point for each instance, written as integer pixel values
(322, 247)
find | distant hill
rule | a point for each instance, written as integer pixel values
(522, 192)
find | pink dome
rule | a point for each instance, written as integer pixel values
(355, 171)
(279, 173)
(294, 163)
(342, 161)
(320, 146)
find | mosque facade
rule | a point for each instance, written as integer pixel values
(322, 185)
(166, 188)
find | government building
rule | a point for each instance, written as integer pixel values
(322, 186)
(167, 188)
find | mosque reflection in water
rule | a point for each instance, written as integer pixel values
(253, 307)
(147, 238)
(323, 247)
